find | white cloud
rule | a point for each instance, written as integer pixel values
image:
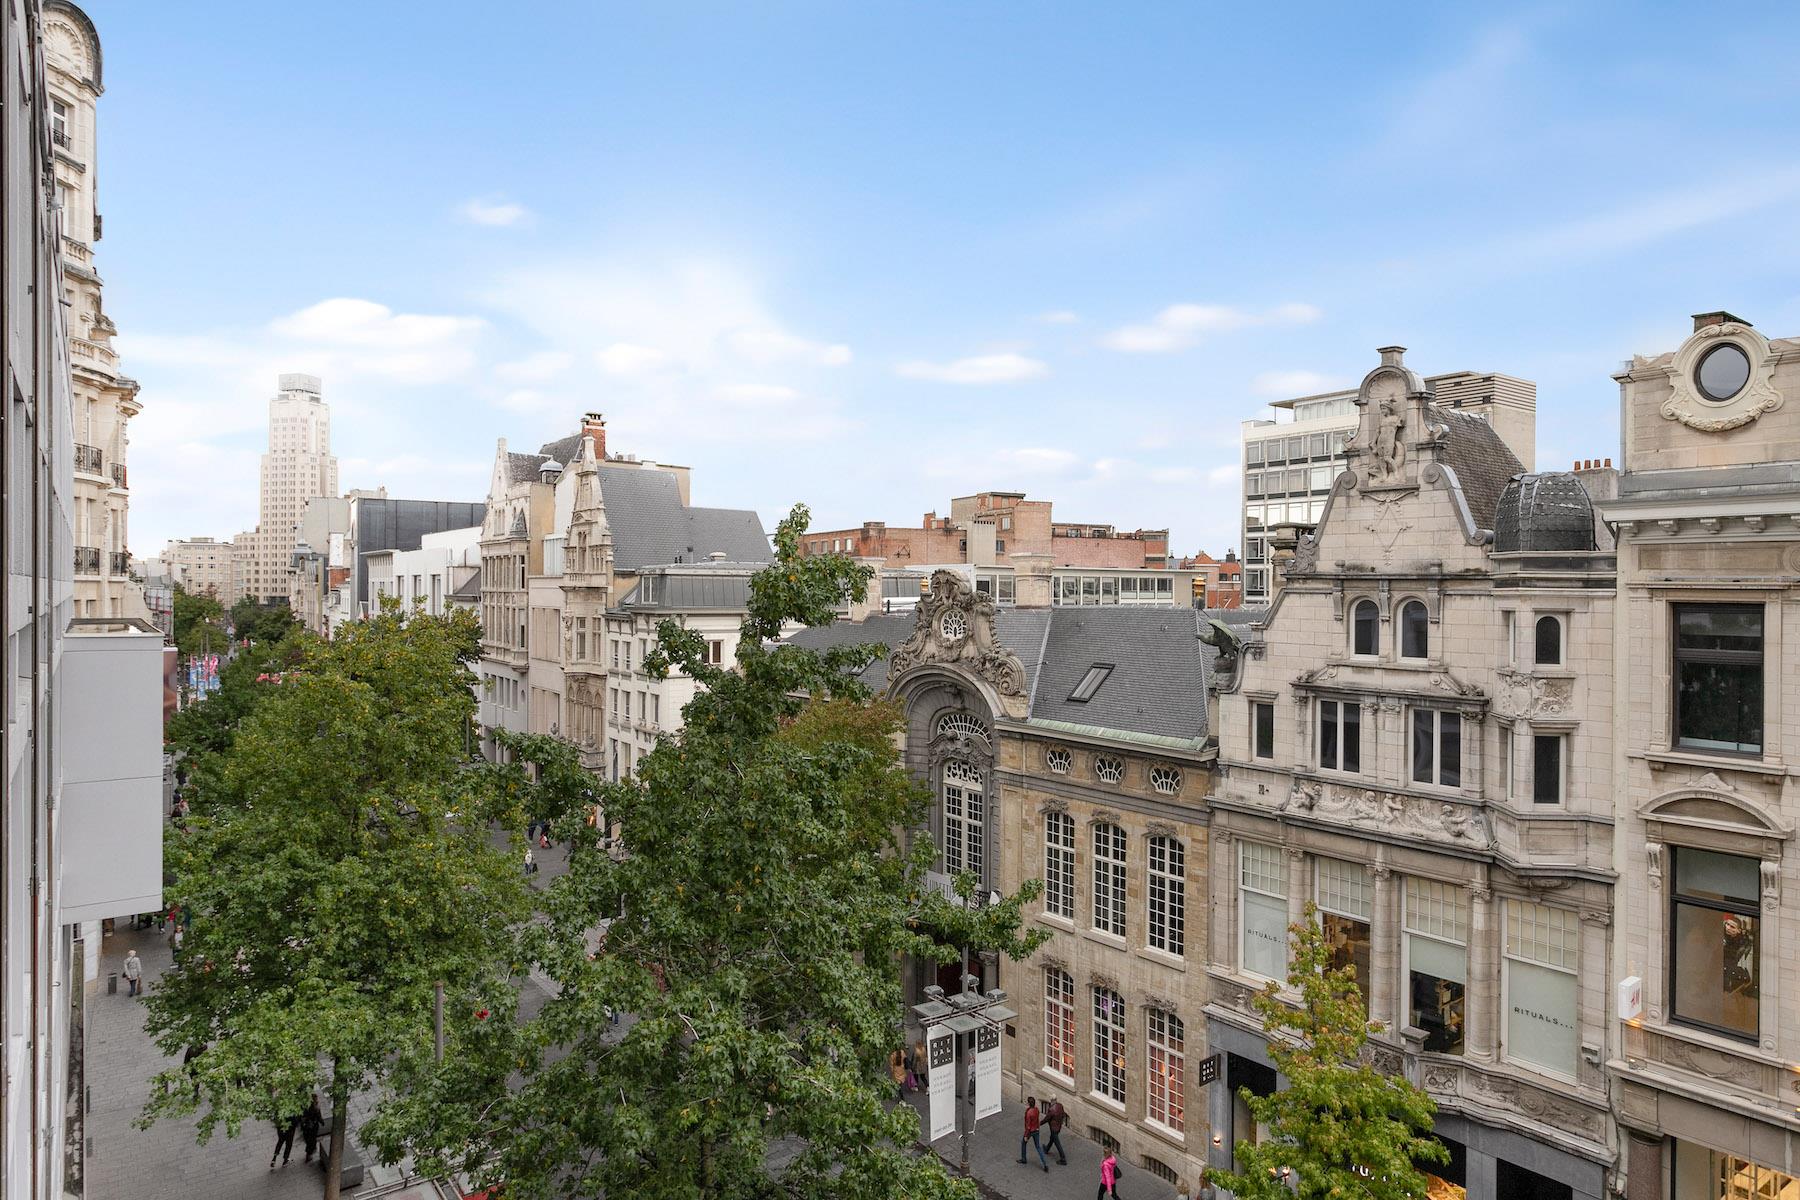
(1180, 326)
(526, 400)
(479, 211)
(540, 367)
(769, 347)
(1036, 459)
(1224, 474)
(1282, 385)
(761, 395)
(1173, 475)
(346, 321)
(981, 368)
(1059, 316)
(625, 358)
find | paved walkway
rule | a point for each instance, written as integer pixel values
(994, 1162)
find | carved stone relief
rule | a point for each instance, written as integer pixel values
(1438, 820)
(1689, 406)
(954, 624)
(1554, 1111)
(1524, 695)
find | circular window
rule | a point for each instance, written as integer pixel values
(954, 626)
(1059, 760)
(1108, 768)
(1723, 372)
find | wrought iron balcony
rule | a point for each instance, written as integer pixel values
(60, 137)
(87, 560)
(120, 562)
(118, 474)
(88, 459)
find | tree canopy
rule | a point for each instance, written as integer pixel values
(198, 622)
(752, 915)
(1340, 1129)
(261, 622)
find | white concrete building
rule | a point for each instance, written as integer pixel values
(298, 466)
(203, 567)
(427, 579)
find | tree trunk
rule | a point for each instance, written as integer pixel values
(340, 1129)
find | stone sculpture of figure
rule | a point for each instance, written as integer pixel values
(1388, 449)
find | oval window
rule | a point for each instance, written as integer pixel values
(1723, 372)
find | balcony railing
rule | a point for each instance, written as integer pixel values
(89, 459)
(60, 137)
(87, 560)
(120, 562)
(118, 474)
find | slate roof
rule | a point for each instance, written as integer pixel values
(650, 526)
(691, 591)
(1482, 462)
(521, 468)
(1157, 686)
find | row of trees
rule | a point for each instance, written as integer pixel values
(745, 896)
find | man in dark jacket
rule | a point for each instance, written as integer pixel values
(311, 1121)
(1055, 1116)
(284, 1140)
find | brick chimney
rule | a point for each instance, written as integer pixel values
(1702, 320)
(593, 427)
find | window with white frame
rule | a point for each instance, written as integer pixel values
(1543, 954)
(1059, 865)
(1167, 895)
(1109, 1045)
(1166, 780)
(1059, 1022)
(1109, 768)
(1340, 735)
(1436, 747)
(1436, 920)
(1263, 909)
(1109, 879)
(963, 723)
(1058, 760)
(1346, 906)
(965, 803)
(1415, 630)
(1166, 1056)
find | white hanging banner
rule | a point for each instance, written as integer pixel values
(940, 1052)
(987, 1071)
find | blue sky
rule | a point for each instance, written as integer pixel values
(872, 257)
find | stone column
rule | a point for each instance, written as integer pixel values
(1480, 1176)
(1643, 1166)
(1384, 953)
(1297, 891)
(1481, 994)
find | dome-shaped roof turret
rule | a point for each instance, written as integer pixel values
(1545, 512)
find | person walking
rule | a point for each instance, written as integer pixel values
(897, 1071)
(1055, 1116)
(530, 862)
(1032, 1136)
(187, 1064)
(311, 1121)
(284, 1140)
(1109, 1177)
(134, 972)
(921, 1063)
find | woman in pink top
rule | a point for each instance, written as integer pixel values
(1109, 1177)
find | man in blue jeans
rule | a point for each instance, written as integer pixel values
(1032, 1136)
(1054, 1119)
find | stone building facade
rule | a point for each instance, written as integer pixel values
(1706, 1054)
(1418, 740)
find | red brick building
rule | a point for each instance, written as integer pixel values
(1220, 583)
(987, 528)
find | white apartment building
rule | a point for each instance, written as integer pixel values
(104, 398)
(298, 466)
(203, 567)
(428, 579)
(1292, 457)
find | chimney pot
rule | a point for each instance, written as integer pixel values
(1609, 464)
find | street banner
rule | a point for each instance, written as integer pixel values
(987, 1071)
(941, 1054)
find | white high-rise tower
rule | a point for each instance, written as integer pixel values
(298, 466)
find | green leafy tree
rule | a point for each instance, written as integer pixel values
(339, 867)
(261, 622)
(1340, 1129)
(756, 904)
(198, 623)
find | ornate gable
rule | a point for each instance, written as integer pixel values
(954, 626)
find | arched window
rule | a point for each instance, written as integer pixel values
(1059, 865)
(1168, 895)
(1415, 631)
(1109, 879)
(965, 811)
(1549, 642)
(1365, 628)
(961, 722)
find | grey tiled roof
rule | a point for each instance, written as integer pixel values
(1483, 463)
(563, 450)
(521, 468)
(698, 591)
(1157, 686)
(650, 526)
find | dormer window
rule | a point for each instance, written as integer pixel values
(1090, 683)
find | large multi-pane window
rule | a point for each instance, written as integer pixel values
(1166, 1057)
(1059, 865)
(965, 805)
(1059, 1022)
(1543, 954)
(1262, 904)
(1714, 948)
(1109, 879)
(1436, 747)
(1168, 895)
(1109, 1045)
(1346, 904)
(1340, 735)
(1719, 677)
(1437, 961)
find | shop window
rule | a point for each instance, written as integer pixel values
(1415, 631)
(1340, 735)
(1109, 879)
(1109, 1045)
(1547, 650)
(1059, 1022)
(1436, 921)
(1709, 1174)
(1166, 1058)
(1167, 895)
(1714, 944)
(1346, 904)
(1263, 911)
(1059, 865)
(1719, 677)
(1543, 954)
(965, 804)
(1262, 716)
(1436, 747)
(1365, 626)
